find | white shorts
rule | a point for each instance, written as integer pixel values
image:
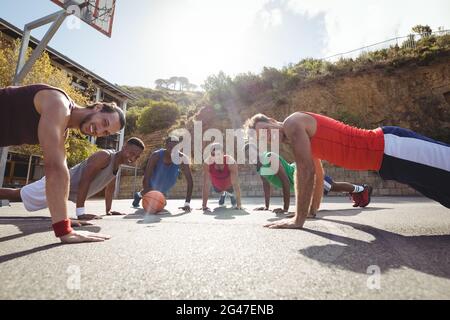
(33, 196)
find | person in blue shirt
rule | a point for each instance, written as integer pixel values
(161, 173)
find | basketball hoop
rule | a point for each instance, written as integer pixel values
(99, 14)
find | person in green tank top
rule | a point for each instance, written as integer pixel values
(284, 179)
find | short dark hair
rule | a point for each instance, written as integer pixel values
(251, 123)
(110, 107)
(136, 142)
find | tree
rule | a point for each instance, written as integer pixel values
(191, 87)
(160, 83)
(184, 82)
(424, 31)
(133, 115)
(173, 81)
(218, 87)
(158, 115)
(78, 148)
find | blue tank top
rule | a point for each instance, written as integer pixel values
(164, 176)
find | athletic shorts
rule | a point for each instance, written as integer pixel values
(327, 183)
(230, 190)
(33, 196)
(420, 162)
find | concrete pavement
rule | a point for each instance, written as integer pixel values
(398, 248)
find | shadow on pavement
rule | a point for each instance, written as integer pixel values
(32, 225)
(222, 213)
(428, 253)
(144, 218)
(333, 213)
(15, 255)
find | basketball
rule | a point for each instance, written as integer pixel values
(153, 202)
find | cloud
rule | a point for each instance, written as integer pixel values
(271, 17)
(351, 24)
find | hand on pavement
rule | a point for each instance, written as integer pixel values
(87, 217)
(79, 223)
(279, 211)
(284, 224)
(115, 213)
(84, 236)
(261, 209)
(185, 208)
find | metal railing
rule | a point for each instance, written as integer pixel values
(409, 41)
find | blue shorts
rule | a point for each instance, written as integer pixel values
(327, 183)
(420, 162)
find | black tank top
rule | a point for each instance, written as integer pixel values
(19, 119)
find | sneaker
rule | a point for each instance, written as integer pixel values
(222, 199)
(365, 196)
(233, 200)
(137, 199)
(356, 198)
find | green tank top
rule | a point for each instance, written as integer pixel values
(271, 176)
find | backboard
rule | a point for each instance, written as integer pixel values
(97, 13)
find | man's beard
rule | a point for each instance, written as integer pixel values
(85, 121)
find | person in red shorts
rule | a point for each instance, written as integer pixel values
(396, 153)
(222, 171)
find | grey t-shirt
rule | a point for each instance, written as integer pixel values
(103, 178)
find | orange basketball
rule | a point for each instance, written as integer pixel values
(153, 202)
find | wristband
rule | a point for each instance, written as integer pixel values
(81, 211)
(62, 228)
(187, 204)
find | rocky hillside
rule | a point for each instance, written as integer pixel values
(415, 96)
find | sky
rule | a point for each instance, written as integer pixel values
(154, 39)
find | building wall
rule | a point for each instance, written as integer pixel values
(251, 185)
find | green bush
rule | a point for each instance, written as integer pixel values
(158, 115)
(78, 148)
(133, 115)
(248, 86)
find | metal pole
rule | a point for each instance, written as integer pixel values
(57, 19)
(29, 169)
(121, 141)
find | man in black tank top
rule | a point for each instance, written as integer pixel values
(41, 114)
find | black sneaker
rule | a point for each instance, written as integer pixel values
(137, 199)
(222, 199)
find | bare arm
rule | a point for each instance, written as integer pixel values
(151, 164)
(234, 175)
(286, 187)
(52, 126)
(109, 193)
(190, 182)
(94, 165)
(295, 131)
(205, 192)
(267, 194)
(318, 188)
